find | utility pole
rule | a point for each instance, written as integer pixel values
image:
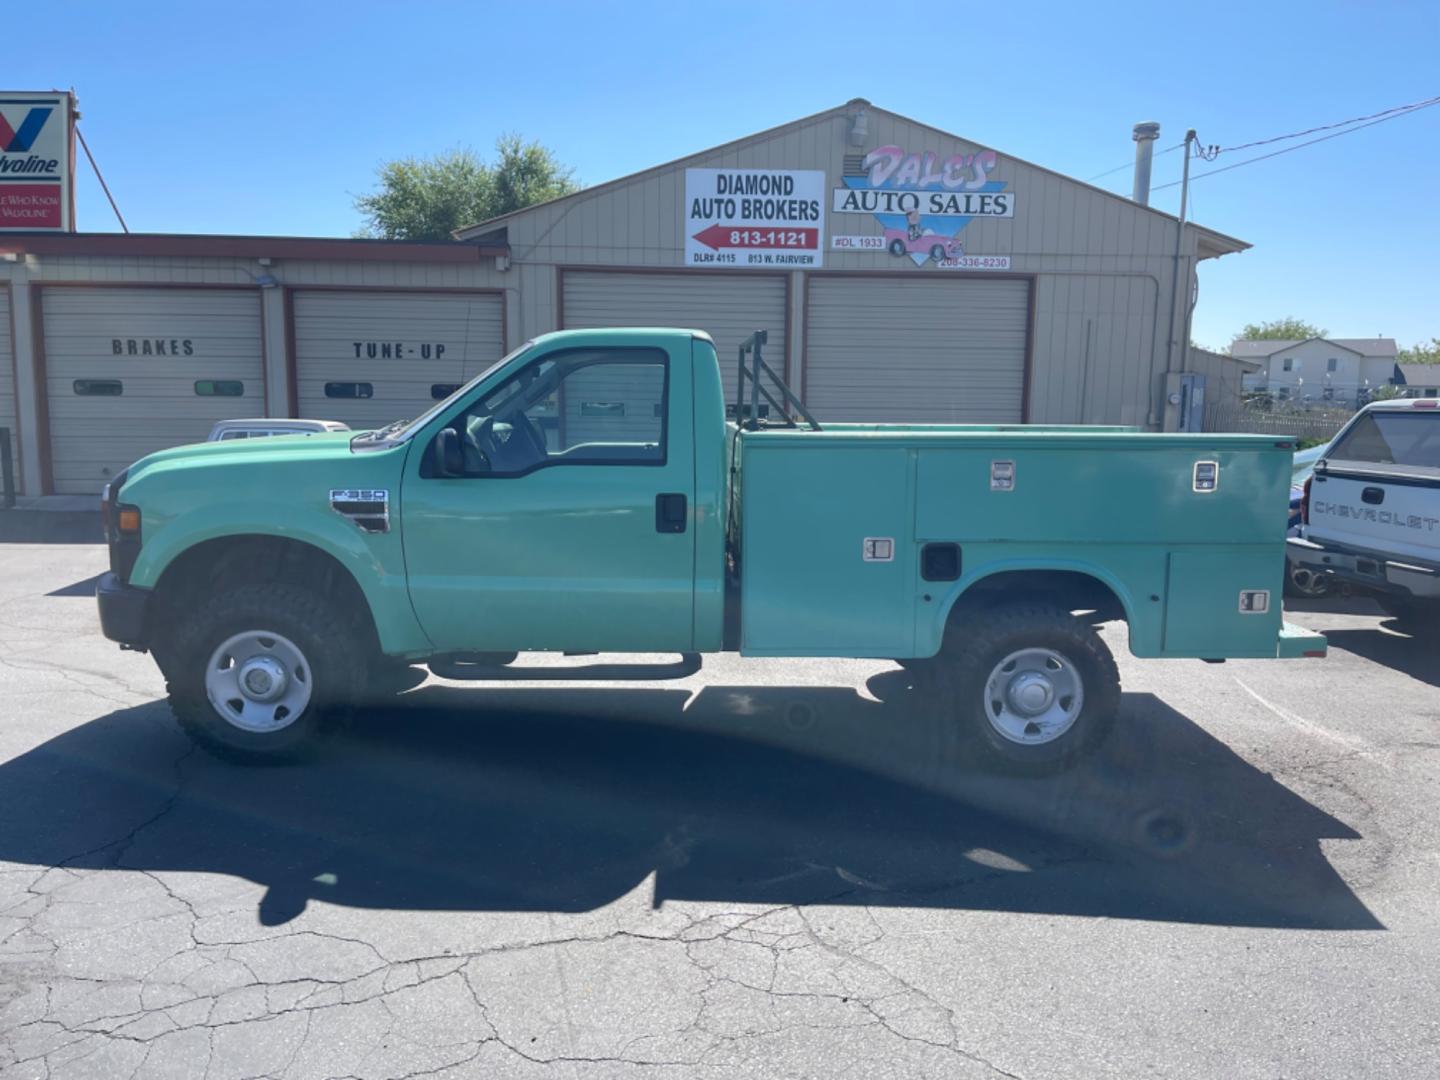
(1171, 340)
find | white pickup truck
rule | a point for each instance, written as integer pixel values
(1371, 510)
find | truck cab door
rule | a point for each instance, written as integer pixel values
(558, 512)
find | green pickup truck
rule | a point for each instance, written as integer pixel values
(589, 494)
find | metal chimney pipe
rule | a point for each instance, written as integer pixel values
(1145, 134)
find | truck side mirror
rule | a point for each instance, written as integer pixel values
(449, 461)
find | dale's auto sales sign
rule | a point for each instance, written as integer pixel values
(36, 162)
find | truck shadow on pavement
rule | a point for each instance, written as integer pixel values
(564, 800)
(1387, 643)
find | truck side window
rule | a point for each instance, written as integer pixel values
(594, 406)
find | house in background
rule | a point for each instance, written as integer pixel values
(1420, 380)
(1343, 370)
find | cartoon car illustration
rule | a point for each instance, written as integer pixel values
(901, 242)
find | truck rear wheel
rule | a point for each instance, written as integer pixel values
(255, 674)
(1030, 687)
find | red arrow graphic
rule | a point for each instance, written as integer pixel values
(757, 236)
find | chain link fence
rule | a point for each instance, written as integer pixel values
(1315, 424)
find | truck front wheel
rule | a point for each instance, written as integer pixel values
(1030, 687)
(254, 674)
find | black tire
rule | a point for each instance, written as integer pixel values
(323, 634)
(976, 649)
(937, 253)
(897, 248)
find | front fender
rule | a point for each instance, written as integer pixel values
(375, 560)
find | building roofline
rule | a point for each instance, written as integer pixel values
(1327, 341)
(244, 247)
(1223, 243)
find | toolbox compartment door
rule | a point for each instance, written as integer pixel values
(1212, 603)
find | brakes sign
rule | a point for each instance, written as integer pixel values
(762, 218)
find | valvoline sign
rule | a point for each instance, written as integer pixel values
(36, 162)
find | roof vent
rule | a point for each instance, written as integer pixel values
(859, 126)
(1144, 134)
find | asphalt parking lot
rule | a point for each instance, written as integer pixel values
(767, 869)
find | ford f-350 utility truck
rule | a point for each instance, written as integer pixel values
(588, 494)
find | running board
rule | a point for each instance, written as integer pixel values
(465, 671)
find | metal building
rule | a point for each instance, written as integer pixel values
(904, 274)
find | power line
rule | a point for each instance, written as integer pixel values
(1128, 164)
(1328, 127)
(1390, 115)
(1210, 153)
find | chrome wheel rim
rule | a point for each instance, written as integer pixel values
(1034, 696)
(259, 681)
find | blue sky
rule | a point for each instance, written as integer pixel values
(267, 118)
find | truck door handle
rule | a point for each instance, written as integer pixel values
(1373, 495)
(671, 510)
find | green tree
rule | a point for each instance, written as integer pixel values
(428, 198)
(1421, 353)
(1286, 329)
(525, 174)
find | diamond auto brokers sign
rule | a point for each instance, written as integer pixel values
(762, 218)
(37, 162)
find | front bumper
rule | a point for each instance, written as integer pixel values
(122, 610)
(1368, 569)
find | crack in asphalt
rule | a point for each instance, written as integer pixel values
(314, 996)
(742, 930)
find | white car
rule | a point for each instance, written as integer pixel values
(1370, 515)
(263, 426)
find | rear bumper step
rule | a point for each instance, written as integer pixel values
(1295, 642)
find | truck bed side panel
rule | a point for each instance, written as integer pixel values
(1121, 508)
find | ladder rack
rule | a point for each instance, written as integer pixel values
(753, 370)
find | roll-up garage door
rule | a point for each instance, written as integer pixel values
(368, 358)
(730, 307)
(904, 348)
(131, 371)
(7, 388)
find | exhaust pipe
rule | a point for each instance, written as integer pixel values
(1144, 134)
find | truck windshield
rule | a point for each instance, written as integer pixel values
(1384, 437)
(406, 429)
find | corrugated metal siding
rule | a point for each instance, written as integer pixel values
(1223, 375)
(330, 327)
(1104, 263)
(92, 437)
(930, 350)
(296, 272)
(730, 307)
